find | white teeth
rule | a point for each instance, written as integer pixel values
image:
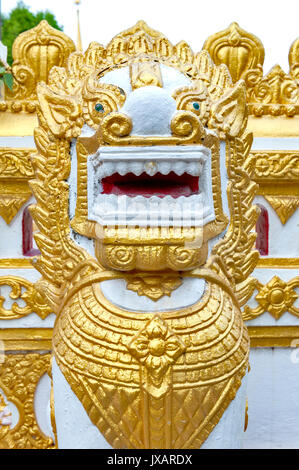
(179, 168)
(165, 168)
(194, 168)
(110, 209)
(108, 168)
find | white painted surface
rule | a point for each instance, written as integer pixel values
(74, 428)
(275, 143)
(273, 403)
(11, 235)
(187, 294)
(151, 110)
(18, 142)
(42, 405)
(283, 238)
(229, 432)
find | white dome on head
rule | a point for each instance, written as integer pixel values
(151, 110)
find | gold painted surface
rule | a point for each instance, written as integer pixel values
(269, 126)
(10, 204)
(17, 124)
(242, 52)
(24, 290)
(167, 367)
(16, 263)
(145, 74)
(19, 376)
(26, 339)
(142, 39)
(273, 336)
(40, 339)
(278, 263)
(275, 297)
(16, 163)
(284, 206)
(195, 355)
(277, 173)
(275, 94)
(15, 172)
(35, 52)
(154, 286)
(278, 165)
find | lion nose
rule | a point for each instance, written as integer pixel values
(151, 110)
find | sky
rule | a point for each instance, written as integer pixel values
(275, 22)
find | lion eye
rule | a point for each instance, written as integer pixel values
(196, 106)
(99, 107)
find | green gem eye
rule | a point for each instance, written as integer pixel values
(99, 107)
(196, 106)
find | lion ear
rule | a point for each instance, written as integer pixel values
(61, 112)
(228, 115)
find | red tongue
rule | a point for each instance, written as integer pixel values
(147, 186)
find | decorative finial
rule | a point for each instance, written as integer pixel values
(79, 41)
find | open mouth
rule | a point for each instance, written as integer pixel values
(152, 186)
(146, 185)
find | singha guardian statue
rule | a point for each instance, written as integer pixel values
(145, 218)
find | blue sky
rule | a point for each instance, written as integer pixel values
(275, 22)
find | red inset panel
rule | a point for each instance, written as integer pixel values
(27, 229)
(262, 230)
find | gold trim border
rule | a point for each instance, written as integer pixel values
(40, 339)
(26, 339)
(273, 336)
(288, 263)
(16, 263)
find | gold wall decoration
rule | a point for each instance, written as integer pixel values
(162, 367)
(266, 262)
(15, 172)
(275, 94)
(154, 286)
(277, 173)
(10, 204)
(275, 165)
(26, 339)
(294, 59)
(284, 206)
(19, 376)
(35, 52)
(16, 263)
(273, 336)
(33, 299)
(275, 297)
(16, 163)
(242, 52)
